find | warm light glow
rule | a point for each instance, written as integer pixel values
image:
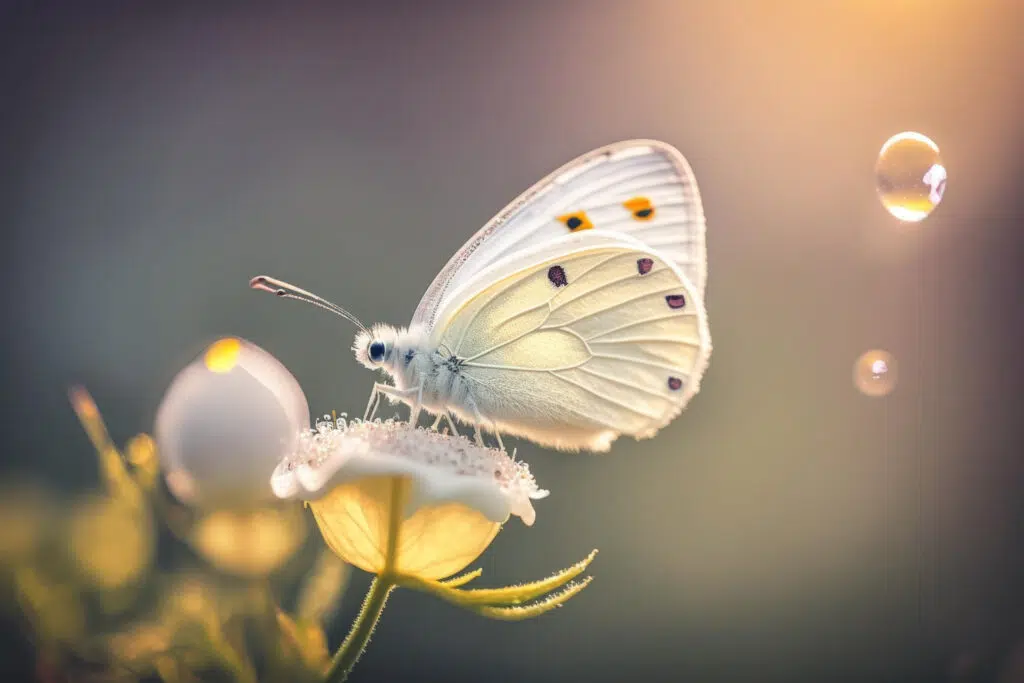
(222, 355)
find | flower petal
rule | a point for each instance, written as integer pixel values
(441, 468)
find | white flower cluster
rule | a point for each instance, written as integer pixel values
(444, 468)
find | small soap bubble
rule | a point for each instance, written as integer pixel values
(874, 373)
(910, 176)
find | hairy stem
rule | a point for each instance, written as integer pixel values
(358, 638)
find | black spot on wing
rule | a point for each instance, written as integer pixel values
(557, 276)
(644, 265)
(675, 300)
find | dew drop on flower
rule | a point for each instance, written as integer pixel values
(874, 373)
(910, 176)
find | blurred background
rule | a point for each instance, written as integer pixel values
(786, 527)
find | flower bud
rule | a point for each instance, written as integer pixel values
(224, 424)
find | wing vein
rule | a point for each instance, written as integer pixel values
(603, 397)
(513, 339)
(615, 380)
(462, 337)
(654, 319)
(520, 368)
(604, 285)
(639, 361)
(469, 324)
(664, 174)
(638, 340)
(667, 290)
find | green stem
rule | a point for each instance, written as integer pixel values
(358, 638)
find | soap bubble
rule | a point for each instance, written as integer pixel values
(874, 373)
(910, 176)
(225, 423)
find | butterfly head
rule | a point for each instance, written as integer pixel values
(375, 347)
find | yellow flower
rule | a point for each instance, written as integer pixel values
(412, 506)
(453, 496)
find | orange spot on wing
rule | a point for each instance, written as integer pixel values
(576, 221)
(640, 207)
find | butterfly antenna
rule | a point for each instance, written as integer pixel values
(287, 291)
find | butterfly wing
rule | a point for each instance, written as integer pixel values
(643, 188)
(578, 340)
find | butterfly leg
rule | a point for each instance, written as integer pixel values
(409, 396)
(414, 410)
(447, 417)
(367, 415)
(451, 423)
(477, 420)
(374, 403)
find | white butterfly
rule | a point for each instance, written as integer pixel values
(574, 316)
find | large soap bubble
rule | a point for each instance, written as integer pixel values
(910, 176)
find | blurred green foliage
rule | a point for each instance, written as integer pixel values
(125, 584)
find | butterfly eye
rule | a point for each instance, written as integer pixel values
(376, 351)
